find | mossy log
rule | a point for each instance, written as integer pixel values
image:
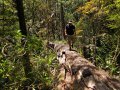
(77, 73)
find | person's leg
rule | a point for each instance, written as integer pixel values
(69, 41)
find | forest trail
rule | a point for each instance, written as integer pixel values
(77, 73)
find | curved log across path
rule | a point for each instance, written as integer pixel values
(77, 73)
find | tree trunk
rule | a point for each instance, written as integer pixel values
(22, 24)
(20, 13)
(77, 73)
(62, 21)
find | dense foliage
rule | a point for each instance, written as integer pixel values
(97, 21)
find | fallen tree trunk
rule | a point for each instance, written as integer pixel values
(77, 73)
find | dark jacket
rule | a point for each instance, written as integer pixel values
(70, 29)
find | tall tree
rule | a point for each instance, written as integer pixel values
(22, 24)
(62, 20)
(20, 13)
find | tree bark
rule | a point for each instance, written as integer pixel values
(20, 13)
(62, 21)
(22, 24)
(77, 73)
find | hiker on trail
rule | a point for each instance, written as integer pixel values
(70, 32)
